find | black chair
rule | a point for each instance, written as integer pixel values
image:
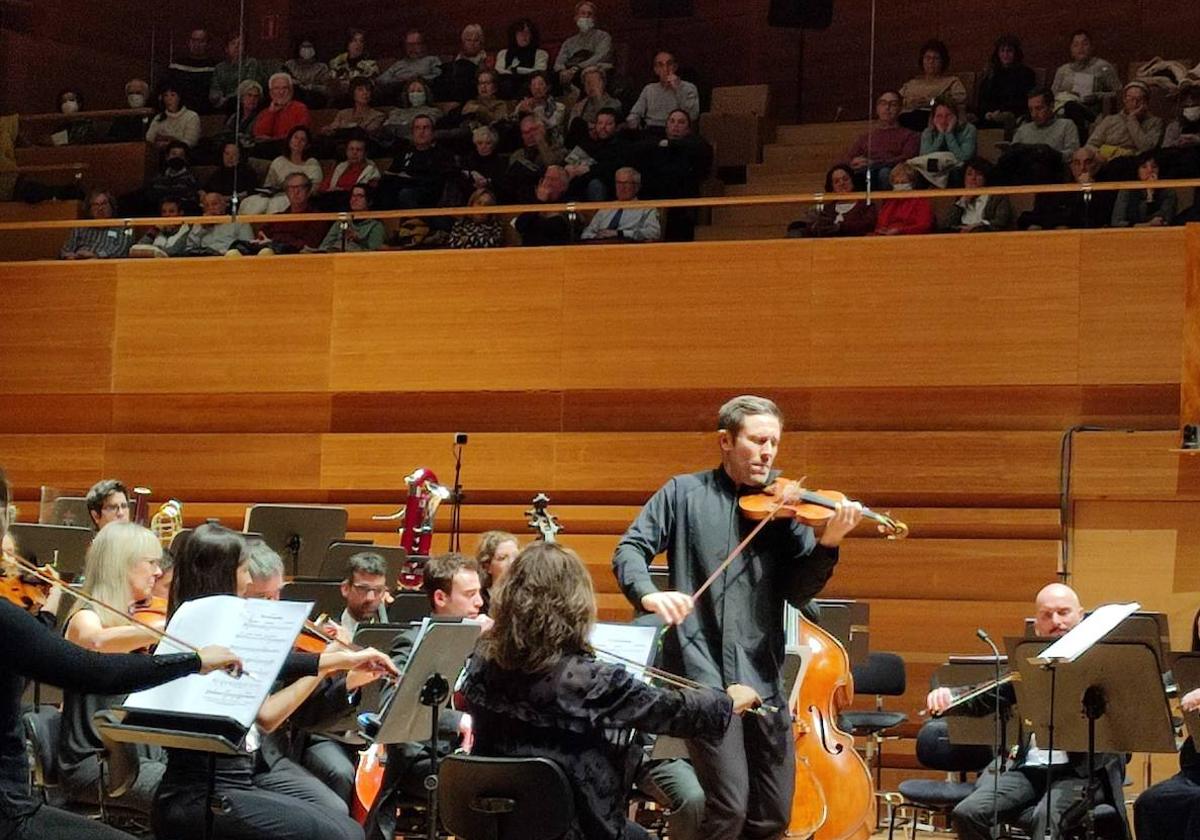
(42, 727)
(935, 752)
(482, 798)
(881, 674)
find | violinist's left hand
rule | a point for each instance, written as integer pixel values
(843, 521)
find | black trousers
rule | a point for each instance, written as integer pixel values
(1019, 796)
(52, 824)
(748, 776)
(1169, 810)
(334, 763)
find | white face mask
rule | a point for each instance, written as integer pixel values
(1192, 113)
(904, 187)
(417, 98)
(308, 53)
(136, 100)
(70, 106)
(585, 24)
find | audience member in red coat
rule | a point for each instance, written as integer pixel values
(293, 237)
(283, 114)
(905, 215)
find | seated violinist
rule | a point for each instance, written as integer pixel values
(1019, 798)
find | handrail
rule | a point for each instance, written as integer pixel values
(576, 207)
(49, 167)
(51, 116)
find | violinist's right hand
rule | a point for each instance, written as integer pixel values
(938, 700)
(672, 607)
(219, 658)
(744, 698)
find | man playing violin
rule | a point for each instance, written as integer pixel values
(735, 633)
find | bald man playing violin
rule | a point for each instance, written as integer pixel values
(734, 632)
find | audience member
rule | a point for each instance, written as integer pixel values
(486, 108)
(191, 74)
(360, 116)
(174, 122)
(1084, 81)
(233, 175)
(946, 133)
(283, 113)
(839, 218)
(354, 171)
(1005, 86)
(293, 237)
(1072, 209)
(1181, 142)
(886, 144)
(352, 64)
(521, 57)
(482, 167)
(457, 81)
(553, 227)
(1147, 207)
(165, 241)
(220, 238)
(607, 151)
(675, 167)
(920, 92)
(240, 124)
(272, 197)
(904, 215)
(1131, 131)
(471, 46)
(357, 234)
(658, 99)
(228, 74)
(979, 213)
(175, 181)
(416, 64)
(310, 77)
(418, 176)
(93, 243)
(478, 231)
(590, 47)
(416, 102)
(1043, 128)
(130, 127)
(542, 105)
(628, 224)
(595, 98)
(527, 164)
(78, 130)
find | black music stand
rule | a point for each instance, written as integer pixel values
(968, 729)
(65, 510)
(62, 546)
(381, 637)
(407, 607)
(325, 595)
(1109, 699)
(333, 567)
(300, 533)
(847, 620)
(1185, 667)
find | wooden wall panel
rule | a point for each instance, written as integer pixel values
(448, 320)
(241, 325)
(58, 327)
(66, 462)
(230, 462)
(1190, 398)
(1137, 466)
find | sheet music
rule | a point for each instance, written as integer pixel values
(1086, 633)
(631, 641)
(261, 632)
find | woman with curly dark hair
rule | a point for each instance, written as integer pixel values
(535, 688)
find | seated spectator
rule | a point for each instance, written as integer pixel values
(240, 125)
(418, 176)
(595, 97)
(1072, 209)
(1085, 81)
(838, 218)
(1132, 131)
(131, 127)
(79, 131)
(233, 176)
(1180, 156)
(542, 105)
(96, 243)
(887, 143)
(1043, 128)
(272, 197)
(675, 167)
(216, 240)
(590, 47)
(920, 92)
(946, 133)
(283, 113)
(905, 215)
(1149, 207)
(631, 224)
(485, 108)
(137, 93)
(521, 57)
(457, 82)
(527, 164)
(230, 73)
(174, 122)
(979, 213)
(607, 152)
(310, 77)
(1005, 86)
(176, 182)
(471, 47)
(191, 73)
(479, 231)
(352, 64)
(361, 116)
(291, 238)
(358, 234)
(553, 227)
(165, 241)
(658, 99)
(354, 171)
(416, 64)
(416, 102)
(482, 167)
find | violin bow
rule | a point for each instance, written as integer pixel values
(672, 679)
(738, 549)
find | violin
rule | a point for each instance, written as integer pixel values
(813, 507)
(151, 610)
(313, 637)
(27, 591)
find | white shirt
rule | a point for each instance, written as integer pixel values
(1040, 758)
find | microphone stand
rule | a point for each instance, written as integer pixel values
(995, 829)
(456, 495)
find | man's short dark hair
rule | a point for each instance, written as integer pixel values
(365, 563)
(440, 570)
(1044, 94)
(612, 112)
(734, 413)
(100, 491)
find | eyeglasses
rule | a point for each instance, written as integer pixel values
(115, 506)
(366, 589)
